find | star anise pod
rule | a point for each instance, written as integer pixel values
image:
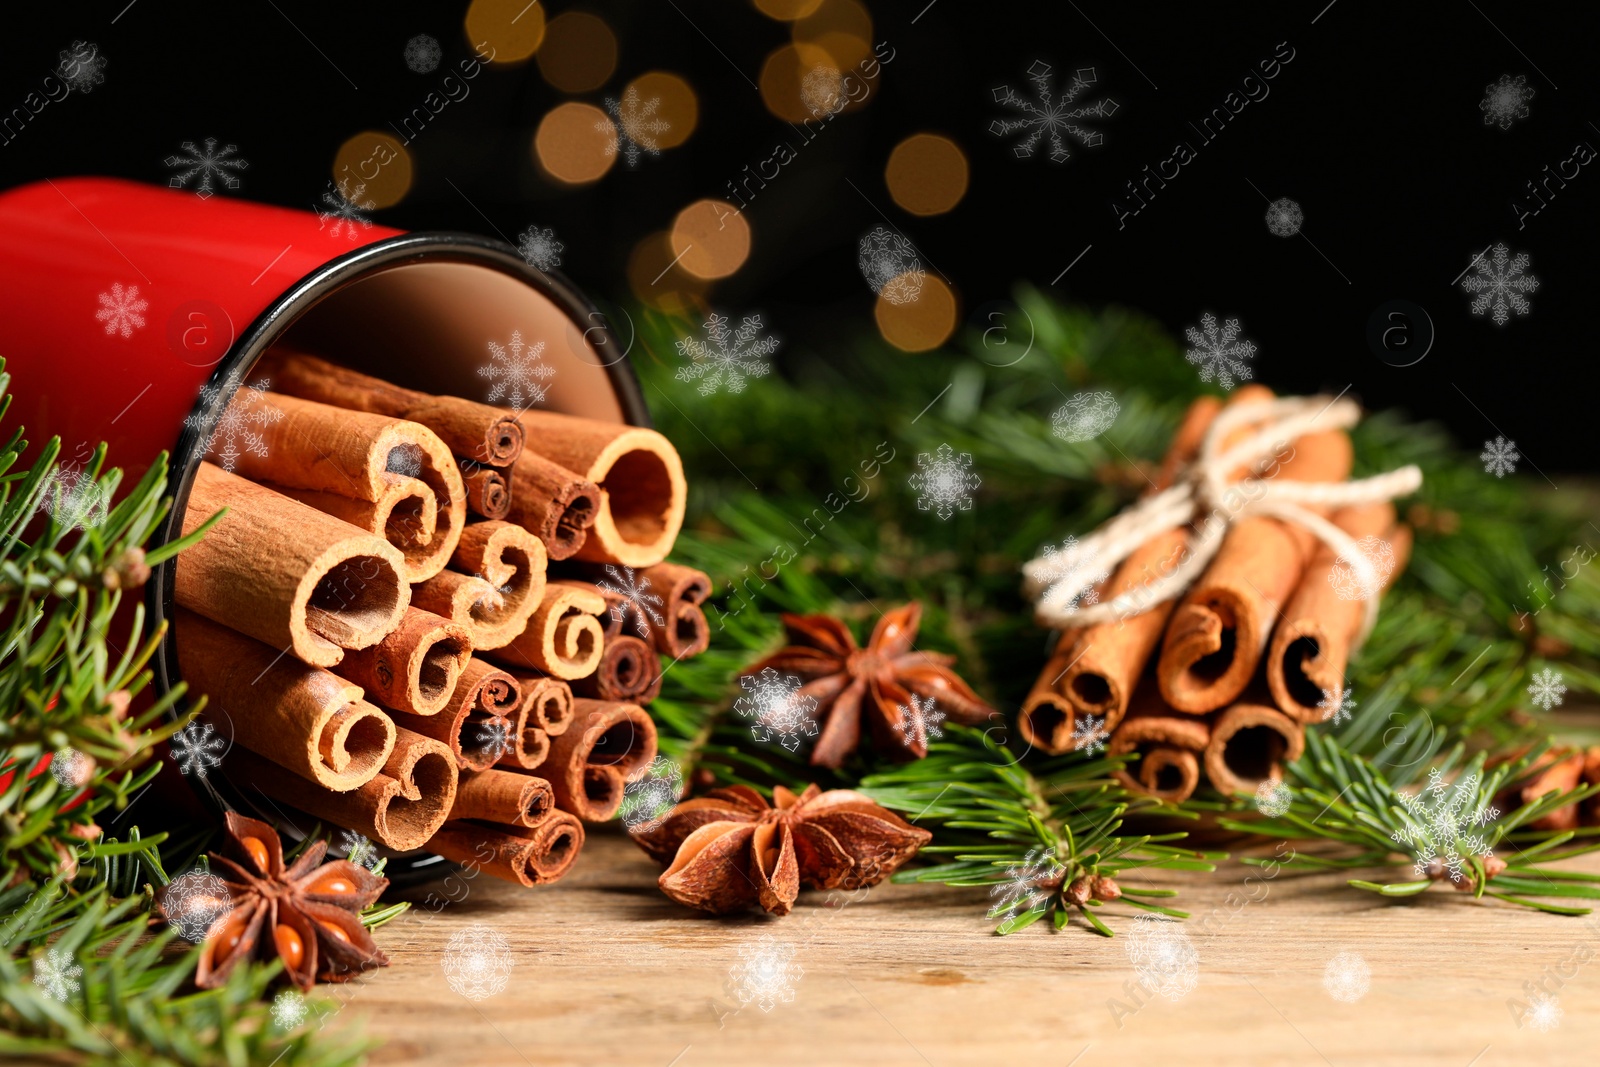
(308, 914)
(876, 683)
(730, 849)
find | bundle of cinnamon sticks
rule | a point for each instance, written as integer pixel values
(1221, 681)
(432, 621)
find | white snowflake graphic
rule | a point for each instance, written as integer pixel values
(1273, 798)
(74, 499)
(1284, 217)
(765, 975)
(1440, 831)
(1219, 354)
(1089, 734)
(726, 357)
(358, 849)
(82, 66)
(1050, 116)
(197, 748)
(1499, 457)
(944, 481)
(1085, 416)
(56, 975)
(1065, 567)
(650, 794)
(495, 736)
(1163, 956)
(779, 711)
(1544, 1012)
(423, 54)
(540, 249)
(1505, 101)
(637, 599)
(518, 371)
(342, 208)
(193, 902)
(405, 460)
(122, 310)
(289, 1009)
(1348, 582)
(890, 265)
(1347, 977)
(1028, 885)
(1547, 688)
(1340, 710)
(208, 164)
(246, 409)
(634, 126)
(71, 768)
(1500, 284)
(477, 962)
(919, 720)
(822, 91)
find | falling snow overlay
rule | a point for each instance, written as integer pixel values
(1273, 798)
(1284, 218)
(477, 962)
(207, 164)
(1441, 831)
(634, 127)
(1505, 101)
(1049, 116)
(725, 357)
(358, 849)
(1499, 457)
(1500, 282)
(1163, 956)
(71, 768)
(82, 66)
(540, 249)
(778, 709)
(634, 589)
(1340, 711)
(944, 481)
(1089, 734)
(890, 265)
(495, 736)
(122, 310)
(1348, 582)
(405, 460)
(650, 794)
(919, 720)
(1347, 977)
(342, 207)
(518, 371)
(197, 749)
(1547, 689)
(74, 499)
(1219, 354)
(822, 91)
(193, 901)
(56, 975)
(1028, 885)
(423, 54)
(1085, 416)
(289, 1009)
(1067, 567)
(246, 409)
(765, 975)
(1544, 1012)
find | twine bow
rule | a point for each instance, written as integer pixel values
(1058, 580)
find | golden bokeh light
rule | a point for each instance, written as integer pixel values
(927, 174)
(710, 239)
(660, 283)
(785, 89)
(372, 170)
(787, 10)
(579, 52)
(678, 106)
(921, 324)
(575, 143)
(842, 28)
(507, 31)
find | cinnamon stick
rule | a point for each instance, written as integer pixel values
(476, 724)
(525, 856)
(685, 632)
(564, 638)
(546, 712)
(480, 432)
(300, 717)
(488, 492)
(589, 765)
(1169, 746)
(415, 668)
(1312, 644)
(286, 574)
(495, 584)
(503, 797)
(1250, 743)
(629, 670)
(557, 505)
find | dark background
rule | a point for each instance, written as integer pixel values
(1374, 128)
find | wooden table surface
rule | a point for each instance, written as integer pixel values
(606, 970)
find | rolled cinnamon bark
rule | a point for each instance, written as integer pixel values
(286, 574)
(1169, 746)
(546, 711)
(495, 584)
(564, 639)
(482, 433)
(300, 717)
(528, 857)
(503, 797)
(364, 468)
(400, 808)
(629, 670)
(488, 492)
(589, 765)
(1219, 630)
(556, 505)
(477, 721)
(1250, 743)
(685, 633)
(1046, 719)
(1312, 643)
(415, 668)
(640, 476)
